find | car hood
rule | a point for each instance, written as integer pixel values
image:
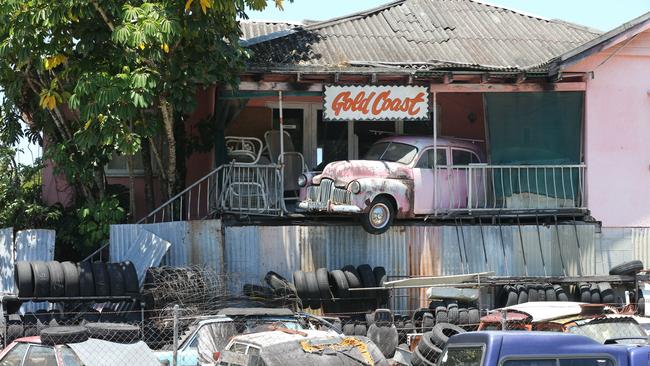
(346, 171)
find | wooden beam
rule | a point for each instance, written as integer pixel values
(284, 86)
(507, 88)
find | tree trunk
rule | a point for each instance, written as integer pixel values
(132, 210)
(168, 122)
(149, 198)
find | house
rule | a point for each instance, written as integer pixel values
(559, 109)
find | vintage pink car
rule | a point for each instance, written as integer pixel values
(395, 180)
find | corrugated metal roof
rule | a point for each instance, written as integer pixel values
(252, 29)
(438, 34)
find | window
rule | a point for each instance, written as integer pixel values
(117, 165)
(463, 157)
(531, 362)
(15, 356)
(392, 152)
(426, 161)
(462, 356)
(69, 358)
(40, 356)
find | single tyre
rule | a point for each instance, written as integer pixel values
(512, 297)
(57, 279)
(442, 317)
(24, 279)
(278, 283)
(541, 292)
(428, 348)
(584, 292)
(418, 359)
(322, 277)
(380, 277)
(379, 216)
(453, 314)
(474, 317)
(385, 337)
(428, 321)
(595, 294)
(100, 275)
(86, 279)
(627, 268)
(367, 279)
(441, 332)
(348, 329)
(300, 281)
(532, 294)
(463, 317)
(312, 290)
(130, 276)
(114, 332)
(15, 330)
(550, 292)
(41, 279)
(339, 282)
(523, 295)
(62, 335)
(71, 279)
(116, 279)
(360, 330)
(351, 274)
(560, 294)
(606, 293)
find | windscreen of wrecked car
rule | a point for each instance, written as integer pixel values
(392, 151)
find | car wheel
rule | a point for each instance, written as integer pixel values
(379, 216)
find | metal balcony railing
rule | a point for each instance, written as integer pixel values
(239, 188)
(482, 187)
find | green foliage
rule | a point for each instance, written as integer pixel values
(20, 195)
(93, 77)
(95, 219)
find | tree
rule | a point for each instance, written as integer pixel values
(98, 78)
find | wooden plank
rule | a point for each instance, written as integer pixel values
(277, 86)
(507, 88)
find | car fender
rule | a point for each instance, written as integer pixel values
(401, 190)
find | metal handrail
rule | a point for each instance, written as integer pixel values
(181, 194)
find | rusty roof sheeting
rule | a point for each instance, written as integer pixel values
(440, 34)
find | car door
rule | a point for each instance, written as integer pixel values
(460, 181)
(423, 179)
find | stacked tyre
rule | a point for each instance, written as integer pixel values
(522, 293)
(432, 343)
(331, 289)
(40, 279)
(595, 293)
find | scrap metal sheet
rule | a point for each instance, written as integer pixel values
(95, 352)
(147, 251)
(7, 260)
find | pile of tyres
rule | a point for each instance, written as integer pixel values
(330, 290)
(53, 279)
(432, 343)
(519, 294)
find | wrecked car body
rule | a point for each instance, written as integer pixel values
(400, 177)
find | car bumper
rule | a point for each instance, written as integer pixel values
(335, 208)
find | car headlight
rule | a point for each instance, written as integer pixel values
(302, 180)
(354, 187)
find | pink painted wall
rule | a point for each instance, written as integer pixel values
(617, 133)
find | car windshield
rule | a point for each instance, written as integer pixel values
(623, 330)
(392, 151)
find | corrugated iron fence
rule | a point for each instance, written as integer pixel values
(248, 252)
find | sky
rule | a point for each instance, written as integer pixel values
(599, 14)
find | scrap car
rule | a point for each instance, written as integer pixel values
(400, 177)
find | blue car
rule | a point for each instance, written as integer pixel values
(539, 349)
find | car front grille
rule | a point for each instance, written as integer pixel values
(326, 192)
